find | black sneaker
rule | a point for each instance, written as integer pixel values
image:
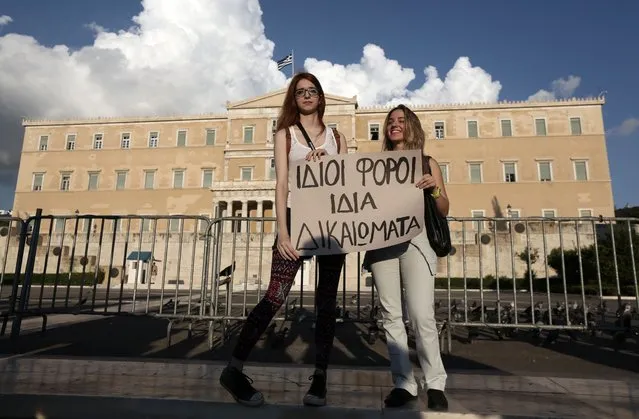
(399, 397)
(316, 395)
(437, 400)
(239, 385)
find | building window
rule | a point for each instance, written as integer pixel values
(44, 143)
(86, 225)
(93, 181)
(70, 142)
(120, 180)
(540, 126)
(149, 179)
(575, 126)
(479, 225)
(514, 213)
(97, 142)
(273, 128)
(444, 168)
(38, 181)
(545, 171)
(271, 172)
(332, 125)
(65, 181)
(506, 128)
(581, 170)
(585, 213)
(473, 131)
(178, 179)
(174, 225)
(475, 173)
(210, 136)
(181, 138)
(248, 135)
(154, 139)
(439, 130)
(510, 172)
(207, 178)
(373, 131)
(203, 225)
(125, 140)
(146, 224)
(548, 213)
(58, 225)
(246, 173)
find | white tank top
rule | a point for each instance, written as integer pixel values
(299, 150)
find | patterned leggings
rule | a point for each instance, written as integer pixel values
(282, 275)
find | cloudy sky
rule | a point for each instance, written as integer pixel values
(84, 58)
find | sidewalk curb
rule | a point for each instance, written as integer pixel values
(22, 406)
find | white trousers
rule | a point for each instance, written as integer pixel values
(414, 263)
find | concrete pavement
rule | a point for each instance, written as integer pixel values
(126, 388)
(121, 366)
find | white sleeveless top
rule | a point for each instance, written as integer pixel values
(299, 150)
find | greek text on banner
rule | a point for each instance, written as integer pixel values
(355, 202)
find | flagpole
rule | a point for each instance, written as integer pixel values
(292, 63)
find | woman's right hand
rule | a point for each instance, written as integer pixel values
(285, 247)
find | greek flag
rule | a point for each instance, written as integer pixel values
(288, 60)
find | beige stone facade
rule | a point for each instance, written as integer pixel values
(516, 159)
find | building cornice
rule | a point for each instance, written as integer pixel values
(123, 120)
(506, 104)
(26, 122)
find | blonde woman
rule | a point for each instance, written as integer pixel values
(414, 264)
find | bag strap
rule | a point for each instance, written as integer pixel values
(335, 134)
(308, 140)
(426, 165)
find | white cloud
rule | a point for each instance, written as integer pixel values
(5, 20)
(560, 89)
(627, 127)
(193, 57)
(377, 79)
(177, 59)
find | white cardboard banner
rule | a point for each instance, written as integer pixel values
(355, 202)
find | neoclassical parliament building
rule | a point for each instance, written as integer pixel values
(518, 159)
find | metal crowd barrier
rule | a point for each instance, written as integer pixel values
(505, 276)
(105, 265)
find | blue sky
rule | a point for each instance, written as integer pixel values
(524, 45)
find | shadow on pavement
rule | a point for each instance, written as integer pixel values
(292, 342)
(289, 342)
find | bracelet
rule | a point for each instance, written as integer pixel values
(436, 192)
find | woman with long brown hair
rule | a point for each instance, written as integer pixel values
(413, 263)
(302, 113)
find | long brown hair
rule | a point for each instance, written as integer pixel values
(414, 136)
(289, 114)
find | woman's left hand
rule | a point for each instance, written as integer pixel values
(427, 181)
(315, 154)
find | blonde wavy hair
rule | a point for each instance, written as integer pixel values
(414, 136)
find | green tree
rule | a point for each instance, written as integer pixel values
(534, 257)
(611, 260)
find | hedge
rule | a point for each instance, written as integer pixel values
(62, 278)
(539, 285)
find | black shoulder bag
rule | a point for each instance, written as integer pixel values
(435, 223)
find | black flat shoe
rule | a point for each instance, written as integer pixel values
(437, 400)
(399, 397)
